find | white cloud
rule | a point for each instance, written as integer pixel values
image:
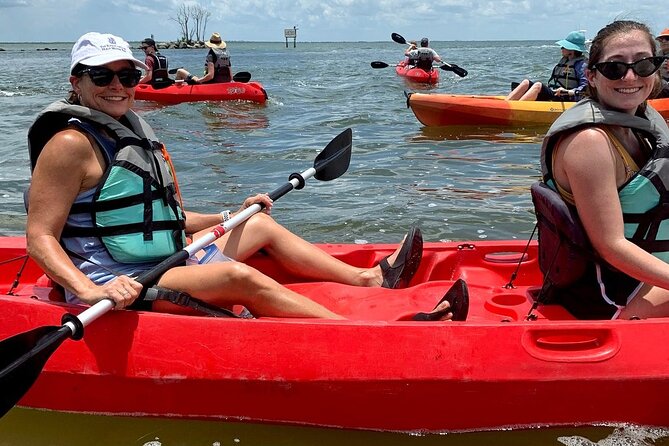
(335, 20)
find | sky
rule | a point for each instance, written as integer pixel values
(324, 20)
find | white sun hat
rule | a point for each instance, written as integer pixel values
(95, 49)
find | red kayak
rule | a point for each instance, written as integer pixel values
(378, 370)
(416, 74)
(182, 92)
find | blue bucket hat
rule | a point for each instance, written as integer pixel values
(575, 41)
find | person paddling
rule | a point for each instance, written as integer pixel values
(104, 207)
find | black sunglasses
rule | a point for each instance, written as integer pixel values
(617, 70)
(102, 76)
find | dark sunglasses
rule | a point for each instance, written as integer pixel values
(617, 70)
(143, 47)
(101, 76)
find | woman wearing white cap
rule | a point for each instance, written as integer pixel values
(105, 207)
(216, 65)
(567, 81)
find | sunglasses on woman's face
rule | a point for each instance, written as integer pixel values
(617, 70)
(102, 76)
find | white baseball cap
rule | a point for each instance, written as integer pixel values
(95, 49)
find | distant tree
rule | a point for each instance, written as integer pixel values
(183, 19)
(201, 17)
(193, 22)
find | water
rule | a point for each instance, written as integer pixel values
(464, 185)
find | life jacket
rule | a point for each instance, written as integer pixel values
(135, 209)
(564, 247)
(424, 58)
(222, 65)
(564, 73)
(160, 75)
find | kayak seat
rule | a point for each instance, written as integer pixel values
(56, 293)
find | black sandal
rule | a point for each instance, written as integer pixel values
(458, 298)
(408, 260)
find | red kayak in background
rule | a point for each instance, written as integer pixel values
(182, 92)
(416, 74)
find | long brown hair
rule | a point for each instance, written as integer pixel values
(614, 29)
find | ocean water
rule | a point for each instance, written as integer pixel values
(469, 184)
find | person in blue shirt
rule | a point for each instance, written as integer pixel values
(567, 81)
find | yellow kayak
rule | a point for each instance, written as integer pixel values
(478, 110)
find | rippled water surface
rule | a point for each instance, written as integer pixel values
(458, 184)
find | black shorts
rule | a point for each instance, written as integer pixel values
(599, 294)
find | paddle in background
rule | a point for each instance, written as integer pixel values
(22, 357)
(444, 66)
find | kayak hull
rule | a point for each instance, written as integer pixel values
(378, 371)
(415, 74)
(182, 92)
(478, 110)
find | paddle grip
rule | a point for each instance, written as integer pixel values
(281, 191)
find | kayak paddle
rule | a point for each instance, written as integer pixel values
(379, 64)
(242, 76)
(23, 356)
(445, 66)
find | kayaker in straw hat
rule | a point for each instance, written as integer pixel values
(92, 159)
(216, 65)
(567, 81)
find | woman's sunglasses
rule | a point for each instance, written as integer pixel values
(101, 76)
(617, 70)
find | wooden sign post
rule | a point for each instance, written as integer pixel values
(290, 33)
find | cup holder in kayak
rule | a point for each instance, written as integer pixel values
(508, 300)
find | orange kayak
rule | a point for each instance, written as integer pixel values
(470, 110)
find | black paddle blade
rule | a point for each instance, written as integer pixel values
(173, 70)
(379, 64)
(242, 76)
(22, 358)
(397, 38)
(335, 158)
(454, 68)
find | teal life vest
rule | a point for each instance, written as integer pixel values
(564, 74)
(135, 209)
(645, 198)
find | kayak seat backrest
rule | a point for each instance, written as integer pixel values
(56, 293)
(564, 248)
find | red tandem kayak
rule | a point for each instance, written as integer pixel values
(182, 92)
(476, 110)
(378, 371)
(417, 74)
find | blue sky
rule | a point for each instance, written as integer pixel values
(323, 20)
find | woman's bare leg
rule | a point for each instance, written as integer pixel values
(532, 93)
(298, 256)
(232, 283)
(519, 91)
(650, 302)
